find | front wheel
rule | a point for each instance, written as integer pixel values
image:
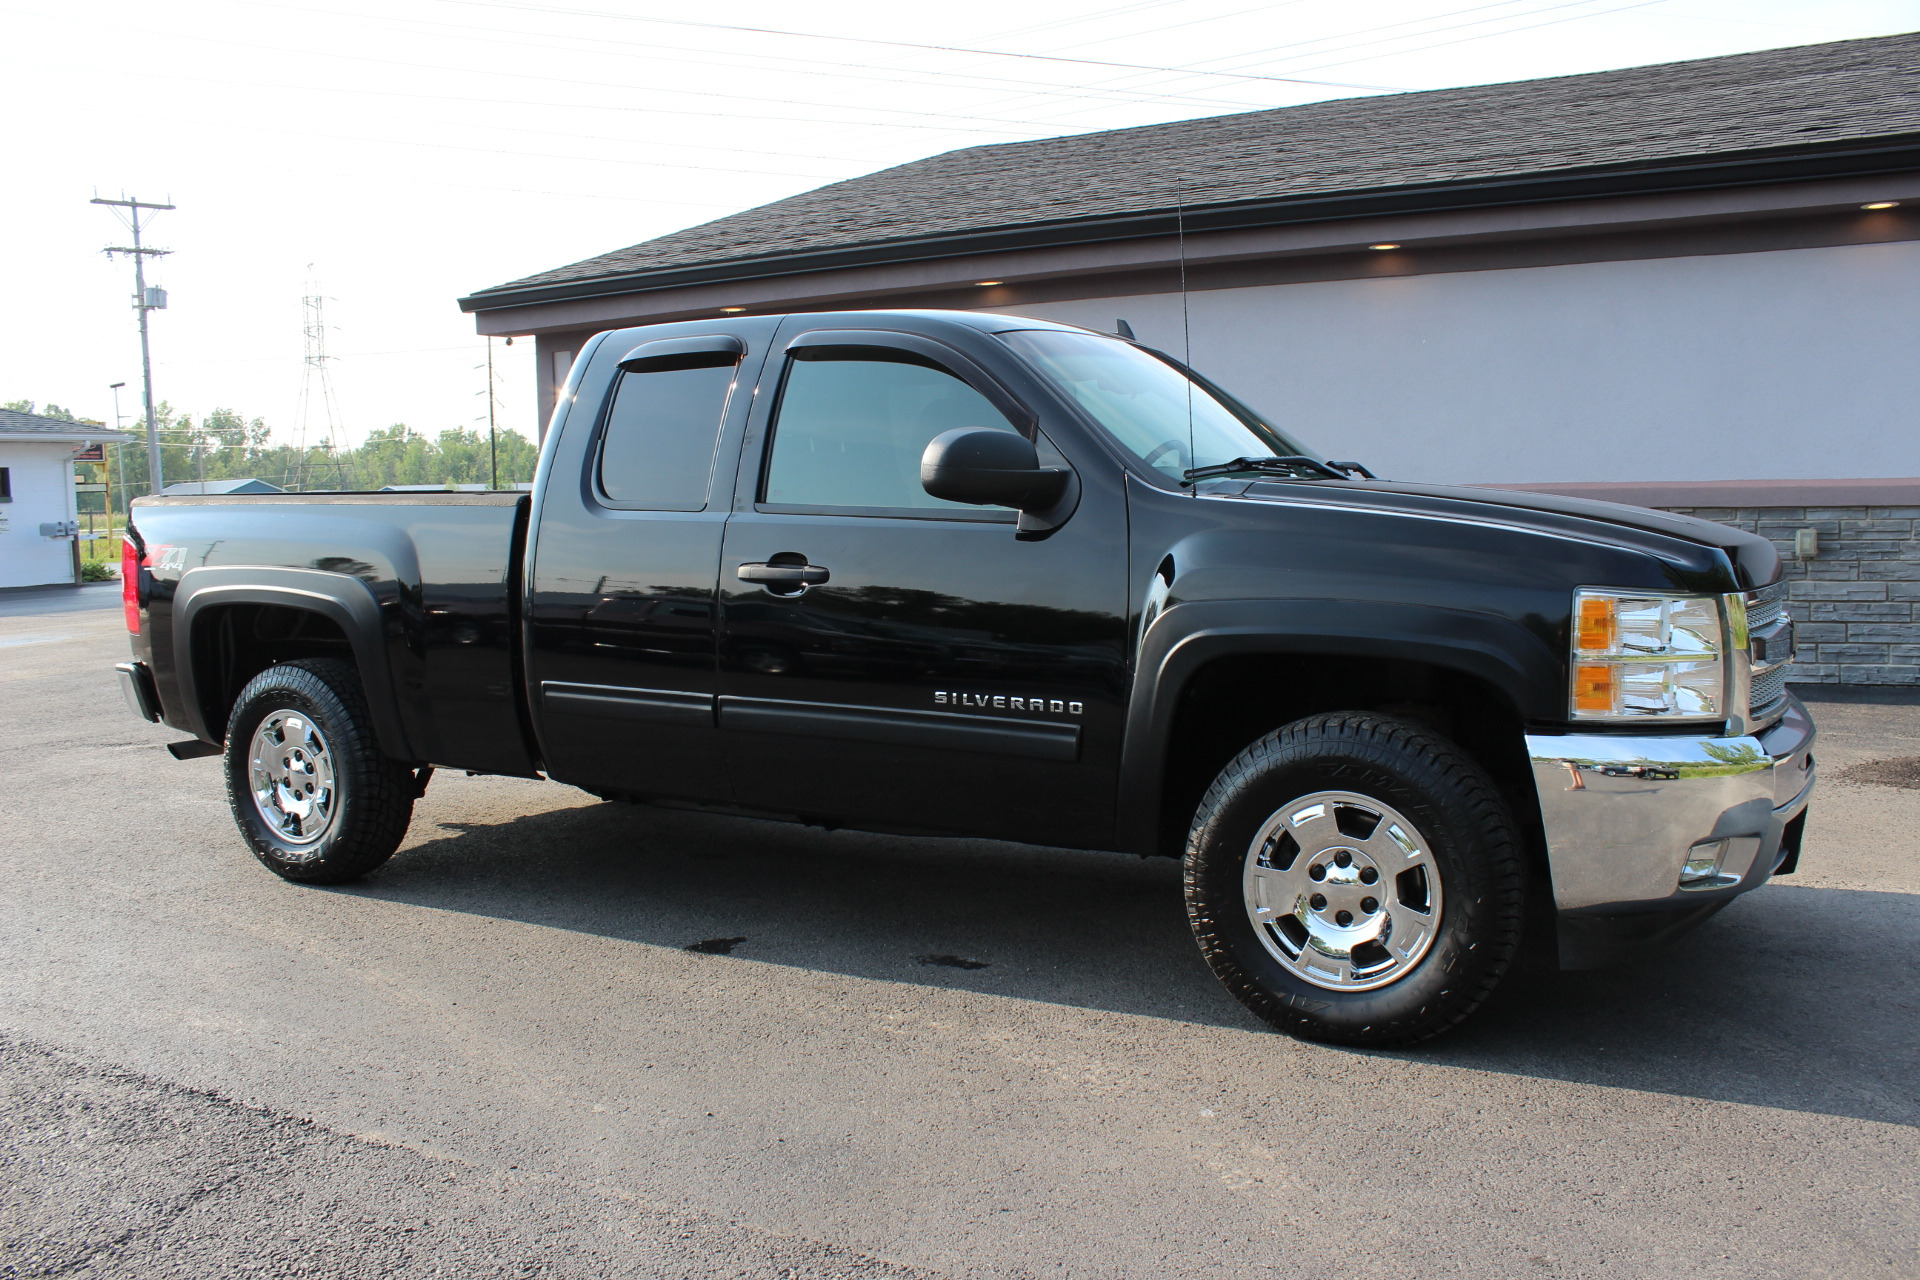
(308, 787)
(1355, 878)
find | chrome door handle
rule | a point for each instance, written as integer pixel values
(788, 571)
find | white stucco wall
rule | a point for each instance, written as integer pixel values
(1802, 363)
(42, 476)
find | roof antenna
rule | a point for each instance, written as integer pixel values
(1186, 325)
(1124, 329)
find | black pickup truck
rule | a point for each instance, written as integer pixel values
(951, 573)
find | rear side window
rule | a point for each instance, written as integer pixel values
(850, 432)
(662, 428)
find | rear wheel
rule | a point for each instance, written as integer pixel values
(1355, 878)
(308, 787)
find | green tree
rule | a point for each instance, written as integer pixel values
(225, 444)
(51, 411)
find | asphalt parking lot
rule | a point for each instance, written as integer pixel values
(499, 1056)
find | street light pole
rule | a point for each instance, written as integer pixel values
(120, 460)
(144, 302)
(493, 433)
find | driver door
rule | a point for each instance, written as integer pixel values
(920, 667)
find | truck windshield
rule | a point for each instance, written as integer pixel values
(1172, 423)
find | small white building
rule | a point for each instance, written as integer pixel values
(38, 513)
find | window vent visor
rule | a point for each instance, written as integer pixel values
(700, 351)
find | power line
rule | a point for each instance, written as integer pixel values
(1488, 35)
(1248, 57)
(1433, 31)
(906, 44)
(1202, 70)
(601, 84)
(600, 46)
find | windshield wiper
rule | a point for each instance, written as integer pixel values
(1299, 466)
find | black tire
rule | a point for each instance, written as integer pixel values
(370, 799)
(1466, 835)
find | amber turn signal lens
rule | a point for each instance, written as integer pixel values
(1599, 626)
(1593, 689)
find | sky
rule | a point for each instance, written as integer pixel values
(390, 156)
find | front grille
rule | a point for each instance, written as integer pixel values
(1766, 610)
(1765, 606)
(1769, 687)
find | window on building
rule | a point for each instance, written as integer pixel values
(662, 428)
(851, 431)
(6, 484)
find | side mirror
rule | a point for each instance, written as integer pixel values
(990, 468)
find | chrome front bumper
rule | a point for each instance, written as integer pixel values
(1674, 822)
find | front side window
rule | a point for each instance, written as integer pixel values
(850, 432)
(662, 429)
(1171, 423)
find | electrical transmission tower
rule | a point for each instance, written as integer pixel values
(316, 385)
(144, 300)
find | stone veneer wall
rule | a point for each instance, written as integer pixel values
(1854, 603)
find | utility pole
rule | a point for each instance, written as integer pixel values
(144, 300)
(119, 457)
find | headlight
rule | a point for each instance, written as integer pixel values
(1640, 655)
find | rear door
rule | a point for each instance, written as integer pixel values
(621, 603)
(891, 659)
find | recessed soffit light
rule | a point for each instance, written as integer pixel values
(1882, 204)
(987, 284)
(1382, 246)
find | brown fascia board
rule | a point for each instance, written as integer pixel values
(1851, 158)
(1737, 494)
(1784, 215)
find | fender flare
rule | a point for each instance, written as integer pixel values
(1186, 637)
(341, 598)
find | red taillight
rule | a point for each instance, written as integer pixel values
(130, 584)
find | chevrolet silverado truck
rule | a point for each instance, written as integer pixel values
(964, 574)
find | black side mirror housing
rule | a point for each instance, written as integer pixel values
(990, 468)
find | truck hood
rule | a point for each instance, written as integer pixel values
(1755, 559)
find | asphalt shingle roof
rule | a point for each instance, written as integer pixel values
(1852, 89)
(28, 425)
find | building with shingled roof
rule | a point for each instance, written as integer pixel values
(1692, 272)
(39, 517)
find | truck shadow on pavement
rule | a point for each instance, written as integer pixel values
(1798, 998)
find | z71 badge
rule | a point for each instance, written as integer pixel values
(1005, 702)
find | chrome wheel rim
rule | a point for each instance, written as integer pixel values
(290, 773)
(1343, 891)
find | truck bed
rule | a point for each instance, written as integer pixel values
(423, 586)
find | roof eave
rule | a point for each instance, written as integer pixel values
(64, 437)
(1858, 157)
